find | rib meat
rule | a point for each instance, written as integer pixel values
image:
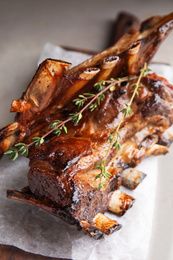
(62, 170)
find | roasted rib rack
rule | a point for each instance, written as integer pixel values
(62, 170)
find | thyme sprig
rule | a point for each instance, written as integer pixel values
(58, 126)
(115, 136)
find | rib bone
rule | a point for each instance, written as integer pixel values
(108, 65)
(91, 230)
(131, 178)
(133, 54)
(39, 92)
(105, 224)
(86, 76)
(120, 202)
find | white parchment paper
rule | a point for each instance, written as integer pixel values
(34, 230)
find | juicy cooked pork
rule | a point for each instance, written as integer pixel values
(62, 170)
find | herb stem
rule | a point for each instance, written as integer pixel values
(116, 135)
(138, 83)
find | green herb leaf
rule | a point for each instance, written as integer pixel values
(119, 136)
(89, 95)
(12, 153)
(76, 117)
(65, 129)
(54, 124)
(93, 106)
(99, 86)
(57, 131)
(38, 140)
(112, 88)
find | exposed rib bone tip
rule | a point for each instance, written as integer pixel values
(131, 178)
(110, 62)
(89, 73)
(133, 55)
(120, 202)
(157, 150)
(134, 48)
(105, 224)
(91, 230)
(101, 225)
(55, 66)
(167, 137)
